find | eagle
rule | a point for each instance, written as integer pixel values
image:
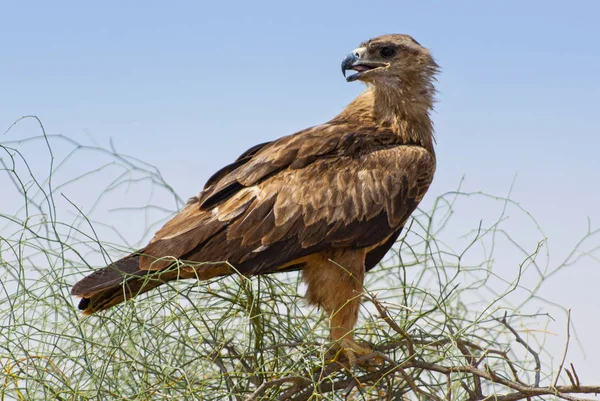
(329, 200)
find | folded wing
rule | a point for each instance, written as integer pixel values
(334, 185)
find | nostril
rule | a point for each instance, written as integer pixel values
(357, 54)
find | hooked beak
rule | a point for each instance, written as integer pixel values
(348, 63)
(355, 61)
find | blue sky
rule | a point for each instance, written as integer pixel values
(190, 85)
(518, 92)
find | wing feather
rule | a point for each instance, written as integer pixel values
(334, 185)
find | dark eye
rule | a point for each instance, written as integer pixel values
(387, 52)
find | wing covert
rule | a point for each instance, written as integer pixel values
(286, 202)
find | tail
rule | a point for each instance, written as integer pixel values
(117, 283)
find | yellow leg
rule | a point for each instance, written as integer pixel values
(348, 346)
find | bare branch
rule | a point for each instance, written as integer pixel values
(562, 362)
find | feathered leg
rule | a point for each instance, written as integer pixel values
(335, 282)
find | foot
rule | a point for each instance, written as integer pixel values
(353, 351)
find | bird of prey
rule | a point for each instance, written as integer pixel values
(329, 200)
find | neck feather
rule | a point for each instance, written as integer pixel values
(403, 108)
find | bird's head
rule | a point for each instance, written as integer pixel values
(390, 60)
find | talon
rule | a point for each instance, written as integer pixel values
(349, 345)
(353, 351)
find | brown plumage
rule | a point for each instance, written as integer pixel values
(333, 195)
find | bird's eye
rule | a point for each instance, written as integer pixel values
(387, 52)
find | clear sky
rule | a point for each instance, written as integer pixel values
(190, 85)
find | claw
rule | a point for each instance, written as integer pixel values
(353, 352)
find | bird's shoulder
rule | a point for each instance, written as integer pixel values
(325, 142)
(335, 185)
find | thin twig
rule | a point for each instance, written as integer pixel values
(383, 312)
(562, 362)
(536, 357)
(276, 382)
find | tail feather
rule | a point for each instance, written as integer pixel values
(109, 276)
(117, 283)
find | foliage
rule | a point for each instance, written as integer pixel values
(443, 323)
